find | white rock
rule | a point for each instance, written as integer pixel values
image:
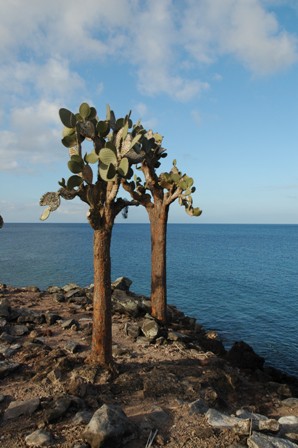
(39, 438)
(258, 440)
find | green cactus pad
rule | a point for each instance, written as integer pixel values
(45, 214)
(74, 181)
(107, 156)
(103, 128)
(87, 174)
(123, 167)
(68, 118)
(119, 123)
(107, 173)
(196, 211)
(93, 113)
(75, 164)
(69, 140)
(183, 185)
(92, 157)
(84, 110)
(68, 131)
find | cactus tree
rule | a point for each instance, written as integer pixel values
(156, 193)
(114, 142)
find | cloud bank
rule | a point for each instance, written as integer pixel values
(45, 44)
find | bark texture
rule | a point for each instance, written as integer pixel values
(158, 220)
(101, 350)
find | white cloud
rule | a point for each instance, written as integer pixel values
(35, 131)
(243, 29)
(44, 45)
(160, 39)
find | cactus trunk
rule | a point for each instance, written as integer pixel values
(101, 350)
(158, 224)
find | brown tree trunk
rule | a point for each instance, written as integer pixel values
(158, 225)
(101, 349)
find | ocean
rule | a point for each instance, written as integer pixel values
(240, 280)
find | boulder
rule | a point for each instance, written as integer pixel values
(17, 408)
(219, 420)
(108, 426)
(257, 440)
(289, 424)
(259, 422)
(122, 283)
(8, 367)
(243, 356)
(150, 329)
(39, 438)
(58, 409)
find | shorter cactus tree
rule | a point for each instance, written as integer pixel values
(156, 193)
(115, 142)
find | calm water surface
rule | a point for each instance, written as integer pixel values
(241, 280)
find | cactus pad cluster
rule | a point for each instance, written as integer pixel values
(118, 145)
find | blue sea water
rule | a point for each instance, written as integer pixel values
(240, 280)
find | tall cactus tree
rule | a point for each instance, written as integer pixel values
(156, 193)
(113, 143)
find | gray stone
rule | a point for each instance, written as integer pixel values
(108, 425)
(288, 424)
(54, 289)
(18, 330)
(7, 367)
(198, 407)
(31, 288)
(69, 323)
(158, 416)
(72, 347)
(291, 402)
(3, 322)
(54, 375)
(270, 424)
(70, 286)
(259, 422)
(17, 408)
(5, 309)
(219, 420)
(39, 438)
(58, 409)
(257, 440)
(59, 297)
(8, 351)
(122, 283)
(176, 336)
(31, 317)
(150, 329)
(75, 292)
(51, 318)
(132, 329)
(82, 418)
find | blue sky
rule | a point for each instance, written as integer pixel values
(217, 78)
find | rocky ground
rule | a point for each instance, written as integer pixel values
(175, 387)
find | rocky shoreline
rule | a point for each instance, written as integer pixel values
(175, 386)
